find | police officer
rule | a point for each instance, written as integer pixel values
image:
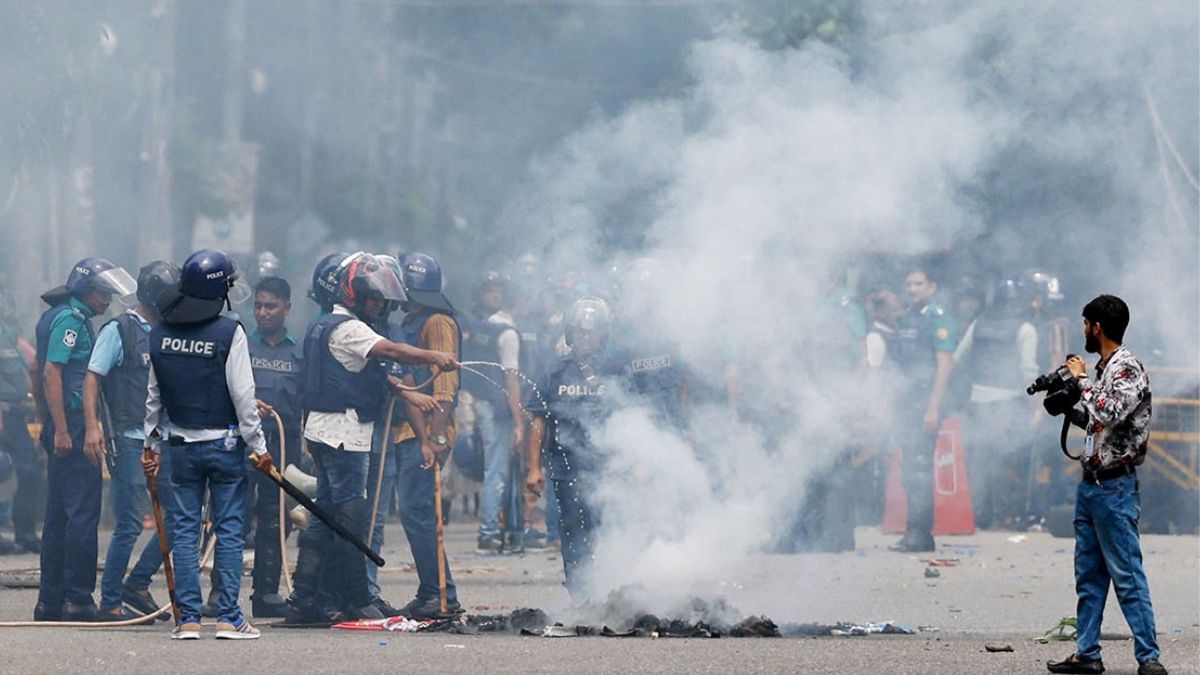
(17, 367)
(491, 335)
(277, 362)
(428, 323)
(998, 356)
(344, 385)
(64, 346)
(201, 382)
(120, 363)
(578, 395)
(923, 351)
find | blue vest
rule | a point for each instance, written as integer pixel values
(74, 370)
(481, 343)
(329, 387)
(14, 373)
(411, 330)
(911, 349)
(277, 379)
(189, 364)
(575, 406)
(125, 385)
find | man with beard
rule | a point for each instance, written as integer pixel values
(1114, 411)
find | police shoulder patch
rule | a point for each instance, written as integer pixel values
(70, 337)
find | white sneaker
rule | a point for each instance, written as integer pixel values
(186, 631)
(242, 630)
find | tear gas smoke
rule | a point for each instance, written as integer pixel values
(780, 170)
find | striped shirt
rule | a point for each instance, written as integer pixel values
(440, 334)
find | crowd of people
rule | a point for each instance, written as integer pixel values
(372, 392)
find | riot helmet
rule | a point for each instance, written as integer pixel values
(266, 264)
(203, 290)
(422, 281)
(588, 325)
(153, 279)
(98, 275)
(324, 280)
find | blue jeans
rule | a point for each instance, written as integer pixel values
(495, 430)
(194, 468)
(390, 470)
(420, 521)
(1109, 550)
(129, 503)
(70, 529)
(578, 522)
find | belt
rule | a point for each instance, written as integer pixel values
(1098, 477)
(176, 441)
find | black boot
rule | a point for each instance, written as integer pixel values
(265, 598)
(303, 606)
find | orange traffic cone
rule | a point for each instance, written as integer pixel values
(952, 512)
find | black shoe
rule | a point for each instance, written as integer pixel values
(115, 614)
(140, 600)
(1151, 667)
(913, 544)
(488, 543)
(268, 605)
(44, 612)
(385, 608)
(420, 610)
(29, 541)
(514, 542)
(364, 612)
(534, 540)
(73, 612)
(305, 612)
(1072, 664)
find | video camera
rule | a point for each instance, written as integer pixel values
(1062, 390)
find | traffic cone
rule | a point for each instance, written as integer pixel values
(952, 512)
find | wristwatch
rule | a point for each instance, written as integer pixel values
(440, 439)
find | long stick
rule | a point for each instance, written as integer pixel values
(283, 561)
(383, 452)
(325, 517)
(441, 534)
(164, 545)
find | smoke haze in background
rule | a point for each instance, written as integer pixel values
(1012, 135)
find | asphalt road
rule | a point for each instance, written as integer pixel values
(1001, 591)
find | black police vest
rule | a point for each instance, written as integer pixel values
(74, 370)
(412, 336)
(482, 343)
(189, 365)
(912, 347)
(125, 385)
(14, 372)
(329, 387)
(995, 359)
(277, 378)
(577, 407)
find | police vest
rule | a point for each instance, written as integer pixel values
(576, 407)
(995, 359)
(14, 372)
(74, 370)
(911, 347)
(411, 330)
(482, 343)
(277, 373)
(655, 374)
(189, 365)
(125, 385)
(329, 386)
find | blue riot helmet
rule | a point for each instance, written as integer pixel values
(588, 325)
(324, 280)
(266, 264)
(422, 280)
(155, 278)
(203, 290)
(1010, 296)
(97, 275)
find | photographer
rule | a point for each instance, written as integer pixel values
(1116, 416)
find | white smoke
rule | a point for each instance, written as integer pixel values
(780, 168)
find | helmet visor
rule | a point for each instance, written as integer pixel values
(374, 276)
(116, 281)
(391, 264)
